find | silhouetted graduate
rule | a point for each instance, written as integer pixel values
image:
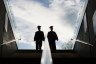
(52, 37)
(39, 37)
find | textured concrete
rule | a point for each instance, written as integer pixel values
(5, 50)
(2, 19)
(83, 49)
(88, 36)
(11, 47)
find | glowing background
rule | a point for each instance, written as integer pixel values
(62, 14)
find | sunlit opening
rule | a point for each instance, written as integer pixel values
(65, 15)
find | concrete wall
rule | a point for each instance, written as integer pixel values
(10, 48)
(89, 36)
(82, 49)
(6, 50)
(2, 19)
(90, 12)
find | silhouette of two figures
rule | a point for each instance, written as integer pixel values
(39, 37)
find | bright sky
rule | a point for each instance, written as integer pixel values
(62, 14)
(94, 21)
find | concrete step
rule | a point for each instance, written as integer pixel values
(34, 57)
(38, 54)
(27, 54)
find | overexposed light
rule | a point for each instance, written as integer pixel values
(77, 1)
(39, 15)
(32, 13)
(6, 43)
(46, 54)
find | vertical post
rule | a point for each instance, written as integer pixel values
(6, 22)
(85, 22)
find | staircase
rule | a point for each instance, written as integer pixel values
(35, 56)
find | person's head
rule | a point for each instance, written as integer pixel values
(39, 28)
(51, 28)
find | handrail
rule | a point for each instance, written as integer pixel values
(80, 16)
(10, 42)
(10, 16)
(84, 42)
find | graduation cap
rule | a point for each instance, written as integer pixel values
(38, 26)
(51, 26)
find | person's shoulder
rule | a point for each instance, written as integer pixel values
(41, 31)
(54, 32)
(49, 32)
(37, 32)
